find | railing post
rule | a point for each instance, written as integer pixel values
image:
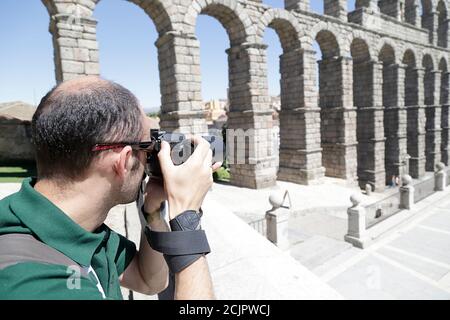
(368, 189)
(406, 193)
(440, 177)
(277, 220)
(356, 222)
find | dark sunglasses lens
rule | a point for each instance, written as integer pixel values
(146, 146)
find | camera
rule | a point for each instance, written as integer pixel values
(181, 149)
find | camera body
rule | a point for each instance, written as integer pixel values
(181, 149)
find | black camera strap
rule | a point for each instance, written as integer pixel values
(184, 245)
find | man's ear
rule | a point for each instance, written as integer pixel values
(123, 162)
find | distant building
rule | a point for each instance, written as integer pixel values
(15, 126)
(215, 109)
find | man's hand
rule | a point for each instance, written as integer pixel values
(154, 195)
(186, 185)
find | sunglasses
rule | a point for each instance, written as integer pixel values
(146, 146)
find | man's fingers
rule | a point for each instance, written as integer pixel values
(201, 150)
(165, 160)
(216, 166)
(207, 162)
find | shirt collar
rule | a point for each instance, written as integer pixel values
(53, 227)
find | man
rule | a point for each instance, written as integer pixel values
(77, 185)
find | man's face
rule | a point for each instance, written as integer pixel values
(132, 183)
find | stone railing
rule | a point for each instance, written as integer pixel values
(259, 225)
(274, 226)
(382, 209)
(363, 218)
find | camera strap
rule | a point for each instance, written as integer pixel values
(181, 247)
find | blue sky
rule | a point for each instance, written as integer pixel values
(126, 37)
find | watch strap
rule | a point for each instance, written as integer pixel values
(189, 220)
(184, 245)
(178, 243)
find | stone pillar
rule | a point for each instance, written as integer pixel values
(395, 122)
(338, 118)
(75, 46)
(356, 222)
(277, 219)
(278, 227)
(369, 4)
(433, 124)
(445, 134)
(391, 8)
(435, 24)
(300, 151)
(416, 131)
(180, 83)
(443, 32)
(302, 5)
(407, 193)
(370, 128)
(440, 177)
(336, 8)
(447, 24)
(445, 115)
(250, 150)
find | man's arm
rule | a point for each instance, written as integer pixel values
(148, 272)
(185, 187)
(194, 282)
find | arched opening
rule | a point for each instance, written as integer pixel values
(409, 60)
(411, 12)
(330, 98)
(250, 157)
(214, 70)
(317, 6)
(351, 5)
(428, 88)
(236, 96)
(27, 74)
(427, 18)
(443, 101)
(411, 104)
(274, 70)
(274, 3)
(133, 61)
(363, 100)
(442, 31)
(27, 67)
(391, 120)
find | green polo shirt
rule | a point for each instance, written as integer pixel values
(108, 253)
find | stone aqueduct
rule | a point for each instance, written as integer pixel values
(383, 91)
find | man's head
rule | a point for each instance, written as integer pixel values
(76, 115)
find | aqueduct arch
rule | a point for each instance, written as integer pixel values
(370, 110)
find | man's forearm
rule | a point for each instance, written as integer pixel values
(194, 282)
(152, 266)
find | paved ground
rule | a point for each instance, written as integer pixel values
(413, 262)
(331, 196)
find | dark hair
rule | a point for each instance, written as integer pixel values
(68, 123)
